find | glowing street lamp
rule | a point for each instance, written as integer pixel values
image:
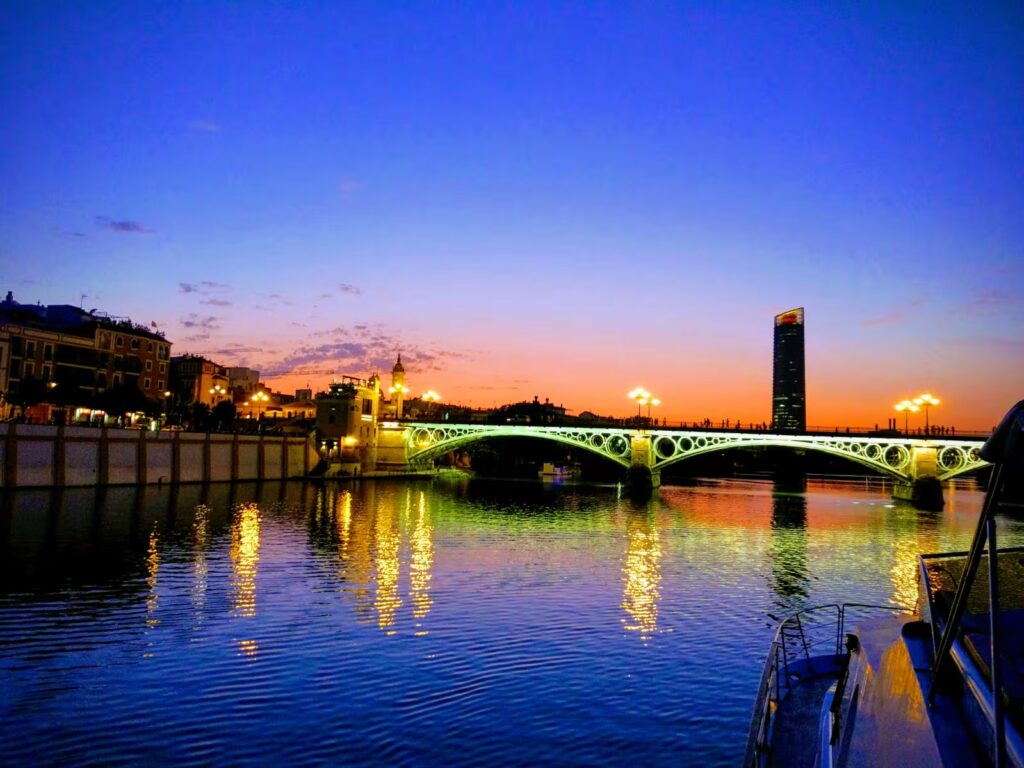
(166, 396)
(906, 408)
(257, 401)
(643, 397)
(430, 396)
(218, 393)
(925, 401)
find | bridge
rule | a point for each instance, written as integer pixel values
(905, 459)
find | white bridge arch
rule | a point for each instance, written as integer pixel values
(888, 455)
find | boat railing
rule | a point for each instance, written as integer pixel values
(802, 647)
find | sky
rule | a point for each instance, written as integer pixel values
(561, 200)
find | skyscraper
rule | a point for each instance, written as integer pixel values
(789, 399)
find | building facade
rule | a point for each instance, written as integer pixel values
(72, 355)
(789, 396)
(346, 421)
(194, 379)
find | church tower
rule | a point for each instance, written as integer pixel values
(398, 388)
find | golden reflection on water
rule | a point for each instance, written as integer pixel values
(387, 601)
(422, 561)
(641, 576)
(200, 570)
(152, 571)
(245, 557)
(903, 573)
(343, 524)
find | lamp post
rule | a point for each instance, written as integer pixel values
(166, 395)
(257, 401)
(399, 389)
(926, 401)
(217, 393)
(906, 407)
(430, 396)
(643, 397)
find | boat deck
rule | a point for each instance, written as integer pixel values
(790, 743)
(894, 726)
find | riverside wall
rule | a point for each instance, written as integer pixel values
(34, 455)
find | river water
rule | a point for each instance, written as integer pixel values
(444, 622)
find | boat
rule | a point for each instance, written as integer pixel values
(555, 472)
(858, 685)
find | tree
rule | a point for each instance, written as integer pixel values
(223, 414)
(125, 398)
(28, 391)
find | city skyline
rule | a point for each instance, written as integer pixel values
(563, 201)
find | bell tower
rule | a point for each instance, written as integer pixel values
(398, 388)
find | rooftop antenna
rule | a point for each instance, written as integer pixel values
(81, 301)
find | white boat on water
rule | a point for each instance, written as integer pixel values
(873, 686)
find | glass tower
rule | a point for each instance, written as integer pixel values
(789, 399)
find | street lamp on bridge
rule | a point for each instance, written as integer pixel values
(906, 407)
(925, 401)
(643, 397)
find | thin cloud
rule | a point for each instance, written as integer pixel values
(347, 186)
(990, 300)
(123, 226)
(200, 125)
(895, 317)
(203, 326)
(203, 287)
(217, 302)
(352, 290)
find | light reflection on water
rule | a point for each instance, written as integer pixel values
(407, 623)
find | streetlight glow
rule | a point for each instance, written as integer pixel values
(926, 401)
(643, 397)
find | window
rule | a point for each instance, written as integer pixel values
(30, 349)
(101, 380)
(149, 365)
(117, 379)
(30, 368)
(135, 343)
(48, 352)
(163, 367)
(15, 369)
(104, 340)
(160, 385)
(46, 373)
(149, 347)
(146, 383)
(367, 407)
(120, 341)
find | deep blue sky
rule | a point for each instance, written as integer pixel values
(553, 199)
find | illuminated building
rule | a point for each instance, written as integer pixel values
(789, 399)
(398, 388)
(346, 423)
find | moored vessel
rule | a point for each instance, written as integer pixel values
(856, 685)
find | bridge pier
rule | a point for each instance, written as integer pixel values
(923, 488)
(642, 476)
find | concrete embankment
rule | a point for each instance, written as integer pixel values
(34, 455)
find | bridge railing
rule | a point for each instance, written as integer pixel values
(950, 433)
